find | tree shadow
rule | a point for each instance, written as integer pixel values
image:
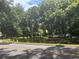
(4, 52)
(56, 52)
(5, 43)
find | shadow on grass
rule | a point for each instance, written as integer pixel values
(56, 52)
(5, 43)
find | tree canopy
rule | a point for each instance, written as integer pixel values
(49, 18)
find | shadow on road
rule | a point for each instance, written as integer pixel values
(57, 52)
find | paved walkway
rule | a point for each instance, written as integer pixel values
(27, 51)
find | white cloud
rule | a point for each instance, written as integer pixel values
(24, 3)
(21, 1)
(27, 6)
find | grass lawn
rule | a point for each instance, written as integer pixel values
(9, 41)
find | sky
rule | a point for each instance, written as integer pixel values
(27, 3)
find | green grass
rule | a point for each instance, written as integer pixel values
(5, 41)
(10, 41)
(68, 45)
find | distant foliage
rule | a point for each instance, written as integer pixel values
(50, 18)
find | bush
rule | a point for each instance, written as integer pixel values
(49, 40)
(72, 40)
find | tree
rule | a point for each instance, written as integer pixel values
(74, 18)
(7, 19)
(30, 24)
(53, 16)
